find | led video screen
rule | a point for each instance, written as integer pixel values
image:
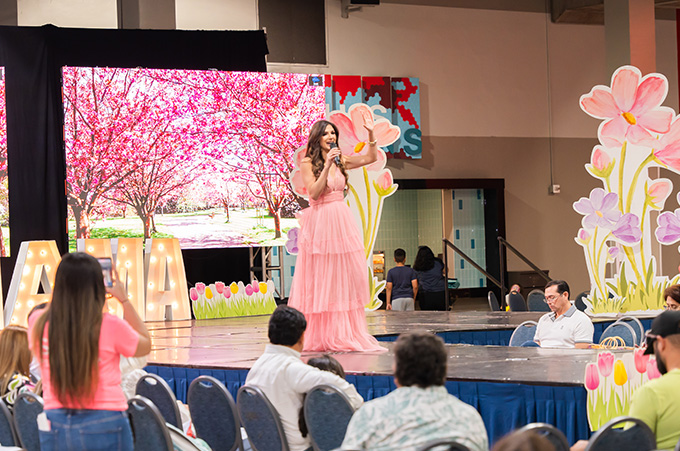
(202, 156)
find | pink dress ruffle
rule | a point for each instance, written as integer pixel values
(330, 284)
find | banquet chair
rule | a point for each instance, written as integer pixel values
(214, 415)
(550, 432)
(261, 420)
(622, 330)
(536, 301)
(155, 389)
(494, 306)
(636, 325)
(148, 426)
(578, 302)
(327, 414)
(516, 303)
(523, 333)
(8, 435)
(27, 407)
(637, 438)
(439, 444)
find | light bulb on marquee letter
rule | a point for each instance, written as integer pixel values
(27, 279)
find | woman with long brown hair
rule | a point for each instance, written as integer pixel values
(15, 361)
(79, 349)
(330, 284)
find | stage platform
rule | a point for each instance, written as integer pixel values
(509, 386)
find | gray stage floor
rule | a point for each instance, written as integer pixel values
(235, 343)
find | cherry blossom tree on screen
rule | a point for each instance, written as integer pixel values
(4, 205)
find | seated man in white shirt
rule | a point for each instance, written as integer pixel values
(566, 326)
(420, 410)
(285, 379)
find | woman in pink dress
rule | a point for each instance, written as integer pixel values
(330, 285)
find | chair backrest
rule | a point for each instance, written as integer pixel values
(523, 333)
(550, 432)
(622, 330)
(436, 444)
(8, 435)
(214, 414)
(637, 438)
(261, 420)
(637, 327)
(530, 344)
(148, 425)
(516, 302)
(578, 302)
(327, 414)
(154, 388)
(27, 407)
(494, 306)
(536, 301)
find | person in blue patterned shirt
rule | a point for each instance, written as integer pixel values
(420, 410)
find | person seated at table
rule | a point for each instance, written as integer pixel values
(324, 363)
(565, 326)
(672, 297)
(420, 409)
(15, 360)
(285, 378)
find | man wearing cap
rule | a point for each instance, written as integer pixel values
(657, 402)
(566, 326)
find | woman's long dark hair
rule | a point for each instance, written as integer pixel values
(74, 319)
(424, 259)
(314, 147)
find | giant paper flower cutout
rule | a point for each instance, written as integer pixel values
(668, 231)
(354, 137)
(632, 107)
(668, 147)
(599, 209)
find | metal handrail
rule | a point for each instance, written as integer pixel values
(446, 243)
(503, 244)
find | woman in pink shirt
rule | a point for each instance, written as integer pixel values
(80, 348)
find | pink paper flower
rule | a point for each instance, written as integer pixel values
(632, 107)
(249, 290)
(353, 135)
(583, 237)
(652, 369)
(219, 287)
(605, 363)
(200, 287)
(601, 164)
(599, 209)
(384, 183)
(668, 147)
(657, 193)
(193, 294)
(256, 286)
(641, 360)
(592, 377)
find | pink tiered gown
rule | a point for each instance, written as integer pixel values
(330, 284)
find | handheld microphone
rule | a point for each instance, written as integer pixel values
(337, 158)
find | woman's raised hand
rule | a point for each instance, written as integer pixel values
(118, 288)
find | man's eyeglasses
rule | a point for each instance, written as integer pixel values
(553, 297)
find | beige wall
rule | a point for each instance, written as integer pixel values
(495, 86)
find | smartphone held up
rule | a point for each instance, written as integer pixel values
(107, 268)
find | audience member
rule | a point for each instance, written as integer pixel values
(285, 378)
(402, 284)
(565, 326)
(420, 409)
(523, 441)
(657, 402)
(79, 348)
(672, 297)
(35, 363)
(324, 363)
(431, 281)
(15, 360)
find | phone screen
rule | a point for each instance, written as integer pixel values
(106, 265)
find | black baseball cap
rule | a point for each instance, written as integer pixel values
(667, 323)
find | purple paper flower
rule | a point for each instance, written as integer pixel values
(668, 231)
(612, 253)
(292, 243)
(627, 229)
(599, 209)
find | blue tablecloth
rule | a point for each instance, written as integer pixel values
(502, 337)
(503, 407)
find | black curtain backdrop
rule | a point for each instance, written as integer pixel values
(33, 58)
